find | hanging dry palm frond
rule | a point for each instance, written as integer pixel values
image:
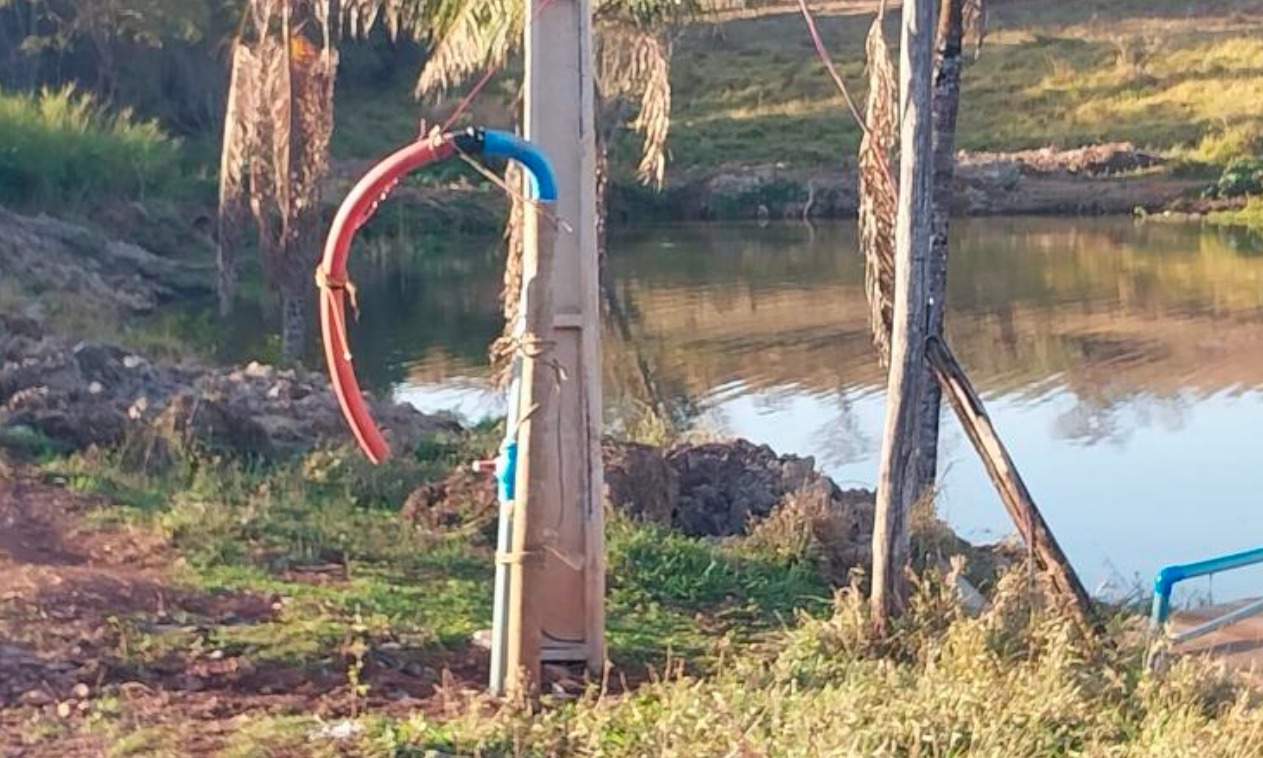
(877, 191)
(503, 349)
(239, 137)
(279, 119)
(634, 62)
(975, 13)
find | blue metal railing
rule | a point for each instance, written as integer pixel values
(1171, 575)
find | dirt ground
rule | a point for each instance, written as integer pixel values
(68, 684)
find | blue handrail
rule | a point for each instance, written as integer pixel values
(1169, 576)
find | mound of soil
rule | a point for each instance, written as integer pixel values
(89, 393)
(60, 257)
(715, 489)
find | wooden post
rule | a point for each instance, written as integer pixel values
(537, 468)
(947, 70)
(1016, 498)
(559, 521)
(896, 479)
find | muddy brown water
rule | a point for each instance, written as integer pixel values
(1121, 361)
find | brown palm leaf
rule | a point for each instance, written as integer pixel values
(877, 191)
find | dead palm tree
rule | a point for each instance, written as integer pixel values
(278, 122)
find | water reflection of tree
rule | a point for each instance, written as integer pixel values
(1098, 416)
(650, 400)
(842, 441)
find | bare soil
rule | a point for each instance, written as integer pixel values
(65, 585)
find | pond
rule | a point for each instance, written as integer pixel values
(1119, 360)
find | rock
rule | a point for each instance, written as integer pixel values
(725, 486)
(639, 482)
(80, 691)
(103, 363)
(189, 420)
(14, 325)
(715, 489)
(36, 698)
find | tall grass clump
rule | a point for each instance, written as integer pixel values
(1015, 680)
(61, 146)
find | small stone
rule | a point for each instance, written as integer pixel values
(36, 698)
(95, 388)
(133, 361)
(80, 691)
(64, 709)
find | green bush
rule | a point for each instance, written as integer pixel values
(60, 146)
(1242, 176)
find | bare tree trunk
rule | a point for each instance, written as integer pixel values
(226, 264)
(896, 479)
(293, 320)
(947, 71)
(602, 201)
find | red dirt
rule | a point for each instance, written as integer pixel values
(65, 585)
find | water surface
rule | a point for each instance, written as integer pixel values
(1121, 362)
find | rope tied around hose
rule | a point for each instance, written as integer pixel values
(328, 284)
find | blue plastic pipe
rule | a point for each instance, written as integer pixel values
(1169, 576)
(543, 187)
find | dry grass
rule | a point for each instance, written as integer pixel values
(1159, 74)
(1015, 681)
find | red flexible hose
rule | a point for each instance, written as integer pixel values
(332, 279)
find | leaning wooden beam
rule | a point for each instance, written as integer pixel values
(1000, 467)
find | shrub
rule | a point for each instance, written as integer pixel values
(61, 146)
(1242, 176)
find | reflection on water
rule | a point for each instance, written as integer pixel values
(1120, 362)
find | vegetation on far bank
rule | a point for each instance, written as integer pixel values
(1064, 74)
(746, 90)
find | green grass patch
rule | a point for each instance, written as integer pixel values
(241, 528)
(59, 146)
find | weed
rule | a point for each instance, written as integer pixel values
(60, 146)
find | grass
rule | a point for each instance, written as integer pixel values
(237, 528)
(61, 147)
(1013, 681)
(757, 655)
(1062, 74)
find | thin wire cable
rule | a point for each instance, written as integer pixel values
(823, 53)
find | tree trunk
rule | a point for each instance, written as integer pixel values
(947, 70)
(294, 320)
(896, 478)
(226, 264)
(602, 201)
